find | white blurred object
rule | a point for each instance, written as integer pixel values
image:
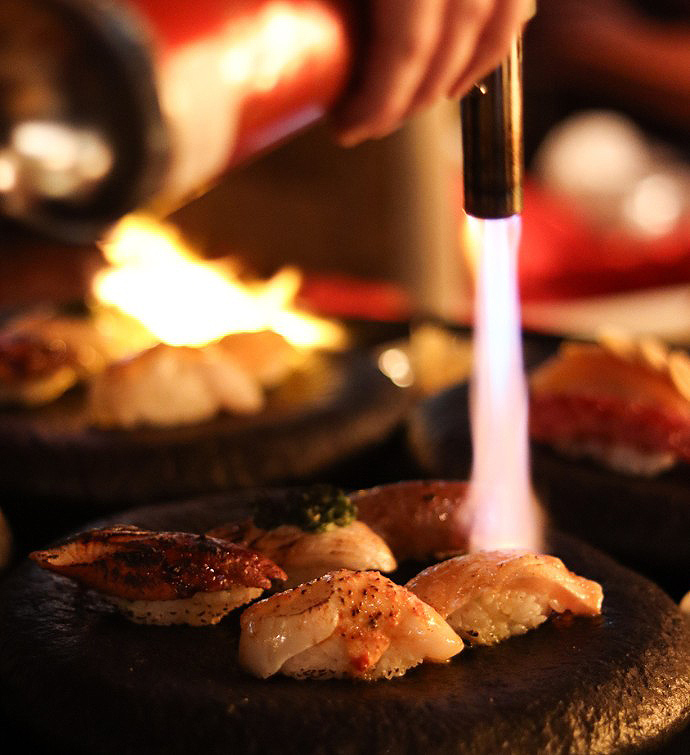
(603, 163)
(662, 312)
(427, 215)
(5, 542)
(655, 204)
(433, 359)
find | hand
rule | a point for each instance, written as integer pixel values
(422, 50)
(572, 21)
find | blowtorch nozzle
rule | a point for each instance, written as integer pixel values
(491, 115)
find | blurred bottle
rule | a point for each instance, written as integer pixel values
(105, 105)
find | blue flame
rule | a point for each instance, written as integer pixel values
(502, 511)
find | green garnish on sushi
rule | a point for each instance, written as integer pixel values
(318, 508)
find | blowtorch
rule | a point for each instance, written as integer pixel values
(491, 116)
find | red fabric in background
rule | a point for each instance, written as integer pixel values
(344, 296)
(562, 257)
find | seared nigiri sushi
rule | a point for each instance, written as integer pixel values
(90, 338)
(34, 371)
(264, 354)
(308, 555)
(311, 531)
(44, 353)
(163, 577)
(623, 402)
(418, 519)
(344, 624)
(172, 385)
(492, 595)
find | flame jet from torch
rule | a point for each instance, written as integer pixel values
(502, 511)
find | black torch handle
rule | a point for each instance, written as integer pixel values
(491, 115)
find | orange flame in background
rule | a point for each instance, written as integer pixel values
(181, 299)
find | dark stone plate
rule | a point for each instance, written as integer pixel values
(333, 407)
(84, 679)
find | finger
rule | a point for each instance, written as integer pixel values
(504, 24)
(404, 37)
(463, 24)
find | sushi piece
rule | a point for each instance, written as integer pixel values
(81, 333)
(44, 352)
(264, 354)
(622, 402)
(168, 386)
(34, 371)
(312, 532)
(344, 624)
(163, 577)
(418, 519)
(492, 595)
(306, 556)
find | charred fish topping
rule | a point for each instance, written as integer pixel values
(137, 564)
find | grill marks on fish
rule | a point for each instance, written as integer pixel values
(135, 564)
(492, 595)
(344, 624)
